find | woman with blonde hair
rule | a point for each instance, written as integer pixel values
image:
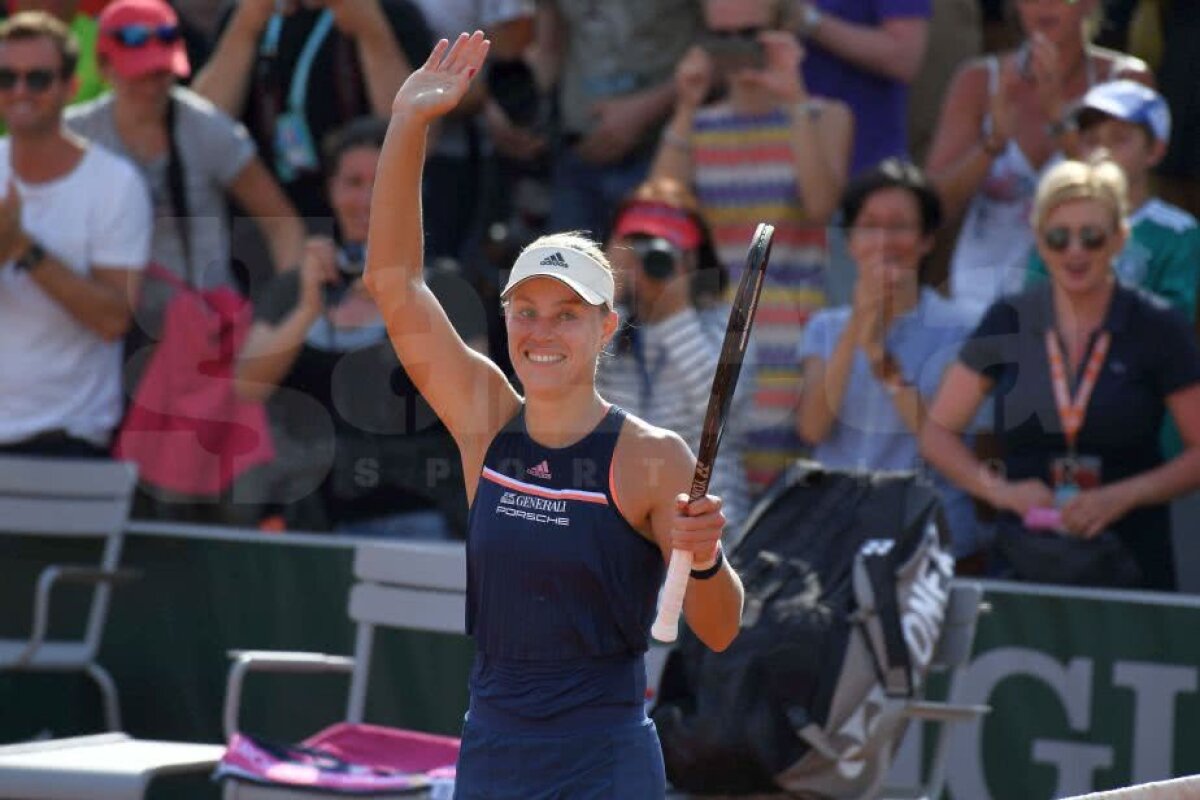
(574, 504)
(1081, 370)
(1005, 120)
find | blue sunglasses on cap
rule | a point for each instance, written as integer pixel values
(142, 35)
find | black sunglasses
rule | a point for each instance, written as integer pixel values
(142, 35)
(37, 80)
(1090, 237)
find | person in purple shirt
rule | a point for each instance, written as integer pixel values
(865, 53)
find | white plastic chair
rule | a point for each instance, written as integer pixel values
(414, 586)
(78, 499)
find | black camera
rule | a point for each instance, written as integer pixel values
(659, 256)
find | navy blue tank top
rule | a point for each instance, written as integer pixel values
(561, 590)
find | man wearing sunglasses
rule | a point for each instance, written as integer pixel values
(84, 29)
(74, 236)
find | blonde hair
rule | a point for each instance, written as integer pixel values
(27, 25)
(1093, 23)
(1096, 179)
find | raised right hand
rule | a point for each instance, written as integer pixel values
(437, 87)
(693, 78)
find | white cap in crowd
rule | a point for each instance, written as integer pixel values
(1132, 102)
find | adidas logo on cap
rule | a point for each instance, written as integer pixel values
(588, 276)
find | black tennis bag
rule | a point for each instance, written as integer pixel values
(847, 578)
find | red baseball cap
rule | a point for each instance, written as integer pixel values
(142, 36)
(658, 219)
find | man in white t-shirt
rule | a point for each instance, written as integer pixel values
(75, 225)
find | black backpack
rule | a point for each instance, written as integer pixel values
(846, 577)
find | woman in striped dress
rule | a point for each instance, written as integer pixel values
(670, 295)
(767, 152)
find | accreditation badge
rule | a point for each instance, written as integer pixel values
(1071, 474)
(295, 152)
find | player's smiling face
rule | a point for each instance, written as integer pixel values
(554, 337)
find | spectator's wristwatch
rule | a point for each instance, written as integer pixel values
(33, 255)
(810, 18)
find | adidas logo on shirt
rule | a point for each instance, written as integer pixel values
(555, 259)
(541, 470)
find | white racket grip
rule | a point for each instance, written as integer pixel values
(670, 603)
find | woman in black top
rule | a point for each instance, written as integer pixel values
(1081, 371)
(360, 451)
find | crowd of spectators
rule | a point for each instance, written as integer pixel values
(961, 319)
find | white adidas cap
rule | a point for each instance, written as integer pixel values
(586, 276)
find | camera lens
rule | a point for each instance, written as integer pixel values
(658, 257)
(334, 293)
(659, 264)
(351, 259)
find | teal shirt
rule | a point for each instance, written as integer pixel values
(1162, 255)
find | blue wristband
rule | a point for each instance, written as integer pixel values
(705, 574)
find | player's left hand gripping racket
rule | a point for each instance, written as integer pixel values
(733, 351)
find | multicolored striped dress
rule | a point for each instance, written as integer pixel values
(743, 174)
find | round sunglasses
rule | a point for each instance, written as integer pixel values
(141, 35)
(36, 80)
(1090, 238)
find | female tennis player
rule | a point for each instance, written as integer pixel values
(575, 505)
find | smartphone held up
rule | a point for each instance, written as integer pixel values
(734, 51)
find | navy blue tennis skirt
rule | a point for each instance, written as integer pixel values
(619, 763)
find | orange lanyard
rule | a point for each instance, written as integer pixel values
(1072, 411)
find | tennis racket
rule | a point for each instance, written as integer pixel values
(733, 351)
